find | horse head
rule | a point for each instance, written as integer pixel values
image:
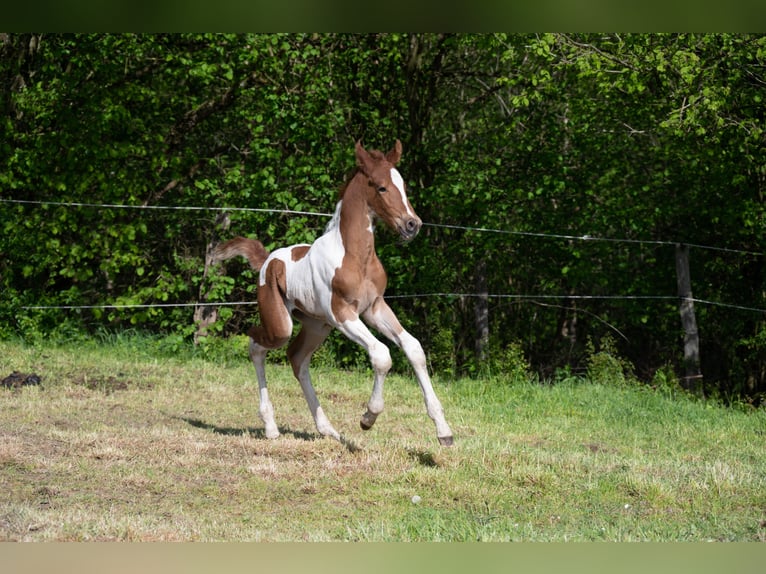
(387, 195)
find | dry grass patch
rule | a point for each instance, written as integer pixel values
(181, 458)
(172, 449)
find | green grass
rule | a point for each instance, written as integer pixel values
(125, 441)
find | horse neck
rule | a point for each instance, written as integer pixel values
(355, 224)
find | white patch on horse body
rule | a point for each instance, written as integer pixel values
(335, 220)
(309, 279)
(396, 177)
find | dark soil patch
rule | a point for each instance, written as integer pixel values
(17, 380)
(596, 448)
(110, 383)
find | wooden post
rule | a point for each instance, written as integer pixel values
(206, 315)
(692, 379)
(481, 311)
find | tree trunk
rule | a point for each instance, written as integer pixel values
(423, 75)
(692, 379)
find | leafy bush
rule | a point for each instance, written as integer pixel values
(606, 366)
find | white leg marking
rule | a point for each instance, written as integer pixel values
(300, 351)
(320, 419)
(265, 409)
(380, 357)
(383, 319)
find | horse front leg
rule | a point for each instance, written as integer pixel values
(417, 358)
(380, 358)
(382, 318)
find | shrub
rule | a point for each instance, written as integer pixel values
(606, 366)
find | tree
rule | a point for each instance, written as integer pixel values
(548, 139)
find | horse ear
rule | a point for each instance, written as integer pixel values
(363, 159)
(395, 154)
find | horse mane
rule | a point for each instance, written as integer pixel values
(351, 174)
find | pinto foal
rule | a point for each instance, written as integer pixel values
(337, 282)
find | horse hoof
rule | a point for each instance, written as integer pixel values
(446, 440)
(368, 419)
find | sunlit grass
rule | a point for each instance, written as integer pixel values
(125, 441)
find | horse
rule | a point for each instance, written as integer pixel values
(337, 282)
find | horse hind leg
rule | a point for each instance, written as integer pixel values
(265, 408)
(274, 331)
(299, 353)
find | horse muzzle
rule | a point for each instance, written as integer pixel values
(409, 227)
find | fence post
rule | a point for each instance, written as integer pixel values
(206, 315)
(692, 379)
(481, 311)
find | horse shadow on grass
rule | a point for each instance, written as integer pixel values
(259, 433)
(423, 457)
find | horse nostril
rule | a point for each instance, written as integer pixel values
(413, 224)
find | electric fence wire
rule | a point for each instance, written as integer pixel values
(401, 296)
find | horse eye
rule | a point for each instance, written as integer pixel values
(382, 189)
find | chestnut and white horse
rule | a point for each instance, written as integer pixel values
(337, 282)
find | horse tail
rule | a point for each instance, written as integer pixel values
(251, 249)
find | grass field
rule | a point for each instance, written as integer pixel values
(124, 442)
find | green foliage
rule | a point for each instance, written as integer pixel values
(666, 381)
(644, 137)
(508, 363)
(605, 366)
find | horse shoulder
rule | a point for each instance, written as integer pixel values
(376, 274)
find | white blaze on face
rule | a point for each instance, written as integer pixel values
(396, 177)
